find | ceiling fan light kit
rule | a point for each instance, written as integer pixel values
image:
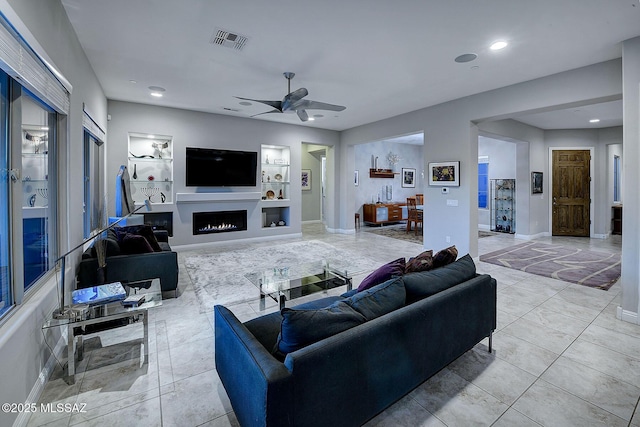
(293, 101)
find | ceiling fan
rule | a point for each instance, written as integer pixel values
(293, 101)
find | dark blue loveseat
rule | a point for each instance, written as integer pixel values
(348, 378)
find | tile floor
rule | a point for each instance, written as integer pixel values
(561, 359)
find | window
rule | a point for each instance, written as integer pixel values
(92, 182)
(617, 175)
(6, 294)
(38, 148)
(483, 181)
(31, 95)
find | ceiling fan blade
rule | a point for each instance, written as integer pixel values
(267, 112)
(315, 105)
(303, 115)
(275, 104)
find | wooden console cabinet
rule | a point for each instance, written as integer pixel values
(382, 213)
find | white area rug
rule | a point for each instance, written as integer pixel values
(219, 278)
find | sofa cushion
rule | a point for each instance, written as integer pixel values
(299, 328)
(382, 274)
(380, 299)
(426, 283)
(134, 244)
(445, 256)
(422, 262)
(142, 230)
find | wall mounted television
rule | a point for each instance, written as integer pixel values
(207, 167)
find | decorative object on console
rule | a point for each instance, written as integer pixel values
(32, 200)
(408, 177)
(135, 172)
(444, 174)
(306, 179)
(393, 159)
(270, 195)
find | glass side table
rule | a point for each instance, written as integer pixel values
(88, 319)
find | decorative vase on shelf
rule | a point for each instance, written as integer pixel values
(135, 172)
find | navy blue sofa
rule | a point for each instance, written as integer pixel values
(348, 378)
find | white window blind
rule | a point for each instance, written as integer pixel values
(92, 127)
(20, 61)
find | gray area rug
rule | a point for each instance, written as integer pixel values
(594, 269)
(219, 278)
(400, 232)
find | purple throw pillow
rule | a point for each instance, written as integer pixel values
(382, 274)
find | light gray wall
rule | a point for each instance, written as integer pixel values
(197, 129)
(451, 133)
(502, 165)
(371, 188)
(23, 352)
(630, 279)
(311, 199)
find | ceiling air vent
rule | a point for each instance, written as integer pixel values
(228, 39)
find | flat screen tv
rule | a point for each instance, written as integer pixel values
(208, 167)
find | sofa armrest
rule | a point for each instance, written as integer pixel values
(161, 235)
(258, 385)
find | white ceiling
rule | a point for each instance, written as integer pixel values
(378, 58)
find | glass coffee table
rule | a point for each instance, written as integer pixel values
(290, 282)
(87, 319)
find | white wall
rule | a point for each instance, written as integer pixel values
(630, 279)
(311, 199)
(501, 156)
(451, 133)
(371, 188)
(197, 129)
(23, 353)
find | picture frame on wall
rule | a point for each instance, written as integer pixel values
(445, 174)
(356, 178)
(408, 177)
(536, 182)
(306, 179)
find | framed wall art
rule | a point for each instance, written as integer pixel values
(408, 177)
(536, 182)
(306, 179)
(446, 174)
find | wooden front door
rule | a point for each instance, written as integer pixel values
(570, 192)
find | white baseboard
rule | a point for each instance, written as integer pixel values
(312, 221)
(45, 373)
(532, 236)
(627, 316)
(341, 230)
(600, 236)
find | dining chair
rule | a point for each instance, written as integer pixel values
(419, 199)
(413, 214)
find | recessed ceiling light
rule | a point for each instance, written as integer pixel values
(311, 119)
(594, 120)
(157, 91)
(475, 68)
(466, 57)
(133, 81)
(151, 136)
(500, 44)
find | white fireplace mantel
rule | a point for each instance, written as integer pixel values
(218, 197)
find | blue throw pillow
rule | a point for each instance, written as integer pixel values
(382, 274)
(426, 283)
(379, 300)
(299, 328)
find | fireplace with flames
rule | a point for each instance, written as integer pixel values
(219, 222)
